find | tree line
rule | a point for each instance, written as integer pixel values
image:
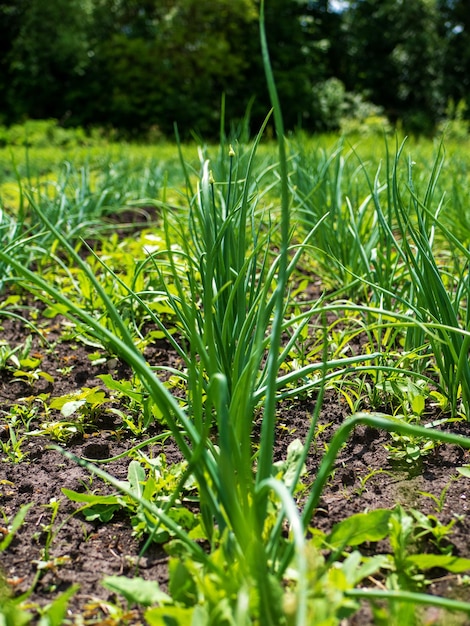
(139, 66)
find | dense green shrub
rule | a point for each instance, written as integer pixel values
(42, 134)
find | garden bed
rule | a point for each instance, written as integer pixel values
(222, 408)
(84, 552)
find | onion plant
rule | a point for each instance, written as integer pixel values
(80, 200)
(13, 230)
(328, 195)
(438, 300)
(8, 234)
(433, 294)
(401, 256)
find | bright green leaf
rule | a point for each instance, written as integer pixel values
(356, 529)
(453, 564)
(170, 616)
(46, 376)
(136, 590)
(69, 408)
(417, 404)
(136, 478)
(90, 498)
(124, 387)
(465, 471)
(29, 363)
(102, 512)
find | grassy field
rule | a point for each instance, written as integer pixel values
(317, 270)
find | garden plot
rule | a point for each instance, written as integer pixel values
(282, 388)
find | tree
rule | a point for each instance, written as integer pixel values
(136, 64)
(394, 58)
(455, 32)
(49, 52)
(154, 63)
(300, 37)
(11, 16)
(158, 62)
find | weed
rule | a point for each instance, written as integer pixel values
(439, 501)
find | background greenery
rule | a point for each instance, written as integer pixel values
(137, 66)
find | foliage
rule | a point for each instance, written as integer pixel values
(141, 66)
(14, 611)
(158, 486)
(455, 30)
(396, 59)
(42, 133)
(41, 73)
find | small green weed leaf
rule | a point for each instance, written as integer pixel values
(125, 387)
(337, 580)
(418, 404)
(97, 358)
(143, 526)
(442, 400)
(54, 309)
(69, 408)
(96, 506)
(90, 498)
(184, 517)
(95, 396)
(453, 564)
(72, 402)
(58, 403)
(424, 521)
(30, 363)
(102, 512)
(288, 468)
(9, 301)
(356, 567)
(20, 374)
(173, 616)
(46, 376)
(464, 470)
(136, 478)
(54, 614)
(358, 528)
(369, 567)
(198, 532)
(149, 487)
(350, 566)
(136, 590)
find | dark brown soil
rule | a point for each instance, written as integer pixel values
(83, 552)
